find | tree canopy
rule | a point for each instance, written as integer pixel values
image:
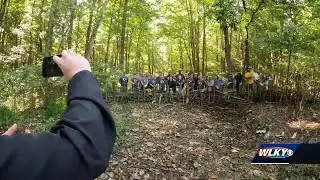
(278, 37)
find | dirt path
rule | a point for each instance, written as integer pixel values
(180, 142)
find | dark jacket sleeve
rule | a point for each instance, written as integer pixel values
(78, 147)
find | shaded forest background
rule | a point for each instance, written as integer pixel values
(278, 37)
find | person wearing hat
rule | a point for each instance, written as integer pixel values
(249, 76)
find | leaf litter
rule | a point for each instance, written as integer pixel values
(183, 142)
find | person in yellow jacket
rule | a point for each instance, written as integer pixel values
(249, 78)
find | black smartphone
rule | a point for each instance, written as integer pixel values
(50, 68)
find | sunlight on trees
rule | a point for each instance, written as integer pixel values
(205, 36)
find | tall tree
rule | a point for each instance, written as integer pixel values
(95, 30)
(89, 28)
(72, 17)
(247, 45)
(51, 23)
(123, 32)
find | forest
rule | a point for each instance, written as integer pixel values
(208, 37)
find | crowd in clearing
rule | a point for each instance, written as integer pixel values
(181, 82)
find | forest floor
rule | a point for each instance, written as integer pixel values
(176, 141)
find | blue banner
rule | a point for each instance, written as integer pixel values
(282, 154)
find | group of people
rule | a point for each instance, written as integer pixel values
(193, 81)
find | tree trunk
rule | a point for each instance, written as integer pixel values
(123, 31)
(227, 48)
(188, 55)
(247, 49)
(128, 53)
(72, 17)
(197, 39)
(192, 36)
(181, 55)
(95, 29)
(3, 8)
(152, 57)
(51, 23)
(89, 28)
(108, 40)
(3, 14)
(149, 62)
(288, 68)
(204, 45)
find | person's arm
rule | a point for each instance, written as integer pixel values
(78, 147)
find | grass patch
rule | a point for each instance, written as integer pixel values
(8, 117)
(37, 120)
(316, 106)
(123, 125)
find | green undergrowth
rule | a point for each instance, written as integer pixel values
(316, 106)
(41, 119)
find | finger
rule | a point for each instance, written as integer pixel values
(11, 130)
(70, 52)
(27, 131)
(57, 60)
(64, 53)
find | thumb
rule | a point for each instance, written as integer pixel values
(11, 130)
(57, 60)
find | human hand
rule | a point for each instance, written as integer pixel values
(71, 63)
(13, 129)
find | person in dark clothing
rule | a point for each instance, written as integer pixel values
(124, 83)
(144, 82)
(162, 83)
(78, 147)
(190, 82)
(239, 81)
(150, 83)
(171, 82)
(180, 81)
(135, 83)
(196, 81)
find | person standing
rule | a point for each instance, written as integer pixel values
(144, 82)
(78, 146)
(124, 83)
(162, 83)
(210, 83)
(171, 82)
(180, 81)
(135, 83)
(249, 78)
(265, 81)
(190, 82)
(196, 81)
(150, 82)
(231, 81)
(239, 81)
(221, 83)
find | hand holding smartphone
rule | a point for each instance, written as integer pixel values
(50, 68)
